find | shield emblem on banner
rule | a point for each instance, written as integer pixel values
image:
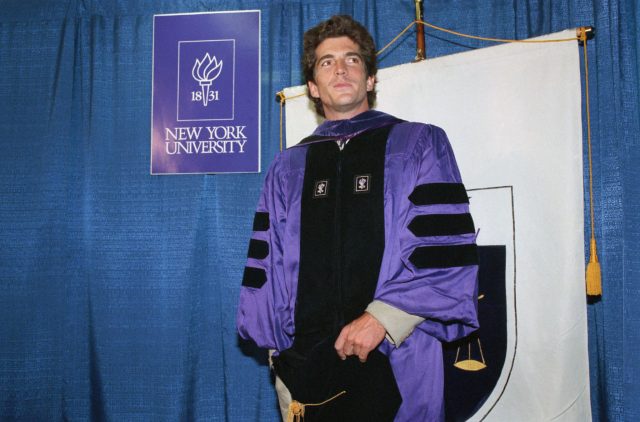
(477, 367)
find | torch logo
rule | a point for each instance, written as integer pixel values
(205, 71)
(206, 80)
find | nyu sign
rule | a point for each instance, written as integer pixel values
(204, 120)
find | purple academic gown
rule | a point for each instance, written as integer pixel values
(417, 275)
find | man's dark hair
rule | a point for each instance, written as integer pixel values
(338, 26)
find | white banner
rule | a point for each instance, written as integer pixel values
(512, 114)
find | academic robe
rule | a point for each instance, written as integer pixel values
(384, 217)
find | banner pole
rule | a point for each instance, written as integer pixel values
(421, 52)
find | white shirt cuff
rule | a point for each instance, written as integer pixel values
(398, 324)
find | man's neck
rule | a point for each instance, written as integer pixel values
(339, 115)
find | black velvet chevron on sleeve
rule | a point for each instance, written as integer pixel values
(254, 277)
(444, 256)
(441, 225)
(258, 249)
(261, 221)
(439, 193)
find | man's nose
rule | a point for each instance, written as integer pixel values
(341, 67)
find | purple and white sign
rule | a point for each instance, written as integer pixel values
(206, 93)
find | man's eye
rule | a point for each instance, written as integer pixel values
(353, 60)
(325, 63)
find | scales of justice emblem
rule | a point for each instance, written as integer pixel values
(473, 360)
(205, 71)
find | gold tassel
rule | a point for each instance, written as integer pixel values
(296, 409)
(296, 412)
(594, 276)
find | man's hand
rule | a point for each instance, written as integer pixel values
(360, 337)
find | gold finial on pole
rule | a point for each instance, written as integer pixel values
(585, 33)
(420, 45)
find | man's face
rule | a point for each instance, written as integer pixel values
(341, 81)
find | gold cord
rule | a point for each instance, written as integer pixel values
(396, 38)
(296, 409)
(502, 40)
(583, 37)
(475, 37)
(593, 276)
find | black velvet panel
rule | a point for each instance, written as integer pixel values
(317, 304)
(362, 223)
(439, 193)
(254, 277)
(441, 225)
(261, 222)
(444, 256)
(342, 235)
(258, 249)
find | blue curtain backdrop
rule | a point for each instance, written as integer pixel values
(118, 289)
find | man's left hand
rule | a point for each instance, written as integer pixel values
(360, 337)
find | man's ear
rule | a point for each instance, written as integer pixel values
(313, 89)
(371, 82)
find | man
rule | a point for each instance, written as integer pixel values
(362, 258)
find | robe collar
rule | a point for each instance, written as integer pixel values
(337, 130)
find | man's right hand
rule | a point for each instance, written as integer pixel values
(360, 337)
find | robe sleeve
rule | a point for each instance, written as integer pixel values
(263, 291)
(437, 264)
